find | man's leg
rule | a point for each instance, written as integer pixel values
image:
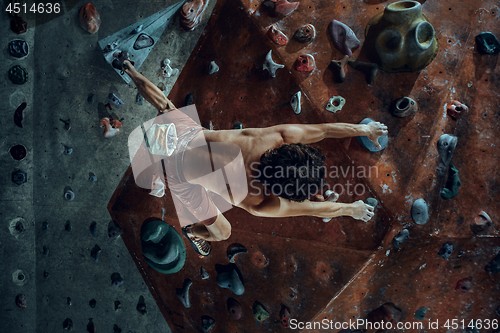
(200, 235)
(147, 89)
(218, 231)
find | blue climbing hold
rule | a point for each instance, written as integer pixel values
(368, 144)
(420, 211)
(229, 277)
(421, 312)
(446, 250)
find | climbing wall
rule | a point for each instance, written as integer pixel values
(345, 269)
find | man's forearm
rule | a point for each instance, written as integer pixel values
(279, 207)
(344, 130)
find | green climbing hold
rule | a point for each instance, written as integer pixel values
(259, 312)
(162, 246)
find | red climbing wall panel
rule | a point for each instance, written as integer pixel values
(343, 269)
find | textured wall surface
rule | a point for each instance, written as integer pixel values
(54, 239)
(345, 269)
(335, 271)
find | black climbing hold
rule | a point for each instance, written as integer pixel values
(141, 306)
(386, 312)
(116, 279)
(494, 265)
(233, 250)
(369, 69)
(487, 43)
(68, 301)
(18, 48)
(45, 274)
(116, 329)
(421, 312)
(189, 99)
(19, 227)
(234, 308)
(18, 25)
(305, 33)
(238, 125)
(207, 324)
(67, 123)
(92, 303)
(452, 184)
(67, 226)
(92, 177)
(18, 152)
(90, 326)
(21, 301)
(19, 114)
(229, 277)
(118, 305)
(143, 41)
(18, 74)
(94, 253)
(68, 324)
(113, 230)
(404, 107)
(183, 293)
(446, 250)
(90, 98)
(269, 4)
(204, 274)
(93, 228)
(340, 68)
(464, 284)
(45, 250)
(400, 238)
(19, 177)
(259, 311)
(45, 225)
(16, 227)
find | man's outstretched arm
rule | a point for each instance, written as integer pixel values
(274, 206)
(306, 133)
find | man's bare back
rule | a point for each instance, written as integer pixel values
(253, 143)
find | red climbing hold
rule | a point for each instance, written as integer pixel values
(305, 63)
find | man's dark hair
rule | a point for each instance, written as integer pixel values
(291, 171)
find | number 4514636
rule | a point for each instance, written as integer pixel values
(36, 8)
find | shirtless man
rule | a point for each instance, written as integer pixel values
(272, 147)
